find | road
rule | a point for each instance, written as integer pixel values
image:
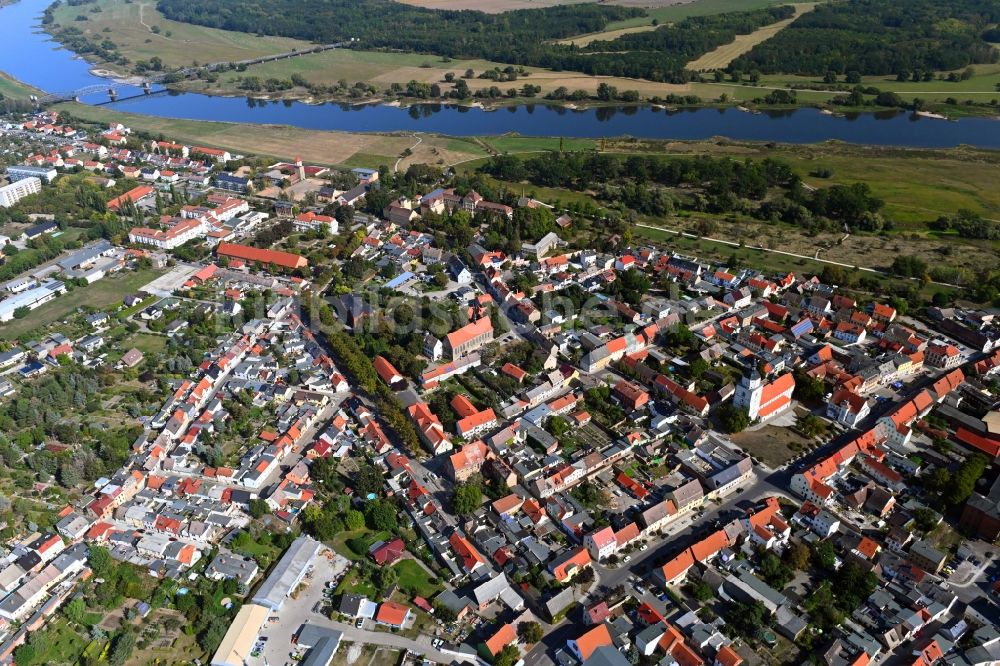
(678, 534)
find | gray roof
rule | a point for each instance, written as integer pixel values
(322, 654)
(606, 656)
(688, 493)
(925, 550)
(287, 573)
(310, 635)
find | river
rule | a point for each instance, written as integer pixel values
(30, 55)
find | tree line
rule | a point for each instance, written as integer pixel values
(521, 37)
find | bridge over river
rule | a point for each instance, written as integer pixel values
(147, 82)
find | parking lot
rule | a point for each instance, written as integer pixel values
(275, 639)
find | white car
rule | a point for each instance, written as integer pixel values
(628, 558)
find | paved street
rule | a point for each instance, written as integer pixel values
(678, 534)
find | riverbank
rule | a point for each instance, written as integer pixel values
(918, 184)
(139, 34)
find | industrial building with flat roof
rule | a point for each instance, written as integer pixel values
(22, 171)
(236, 646)
(288, 573)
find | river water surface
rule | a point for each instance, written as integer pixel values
(28, 54)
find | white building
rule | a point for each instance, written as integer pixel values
(175, 236)
(11, 194)
(763, 400)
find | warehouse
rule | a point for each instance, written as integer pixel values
(238, 642)
(287, 573)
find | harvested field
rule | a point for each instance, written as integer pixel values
(725, 54)
(607, 35)
(383, 69)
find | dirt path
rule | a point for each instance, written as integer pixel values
(142, 22)
(782, 252)
(725, 54)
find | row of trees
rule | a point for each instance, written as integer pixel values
(522, 37)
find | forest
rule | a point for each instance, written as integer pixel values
(879, 37)
(521, 37)
(767, 189)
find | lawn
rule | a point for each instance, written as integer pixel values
(354, 544)
(146, 343)
(280, 141)
(415, 580)
(58, 643)
(101, 294)
(350, 585)
(14, 89)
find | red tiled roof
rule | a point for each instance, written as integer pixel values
(470, 556)
(502, 638)
(135, 194)
(597, 637)
(391, 613)
(267, 257)
(469, 332)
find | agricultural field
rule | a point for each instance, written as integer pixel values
(383, 68)
(607, 35)
(132, 27)
(725, 54)
(670, 12)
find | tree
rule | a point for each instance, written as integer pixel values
(747, 619)
(354, 519)
(467, 498)
(444, 613)
(368, 480)
(699, 367)
(25, 655)
(76, 610)
(100, 561)
(530, 632)
(381, 515)
(733, 419)
(585, 577)
(808, 388)
(798, 556)
(826, 556)
(211, 637)
(508, 656)
(259, 508)
(701, 591)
